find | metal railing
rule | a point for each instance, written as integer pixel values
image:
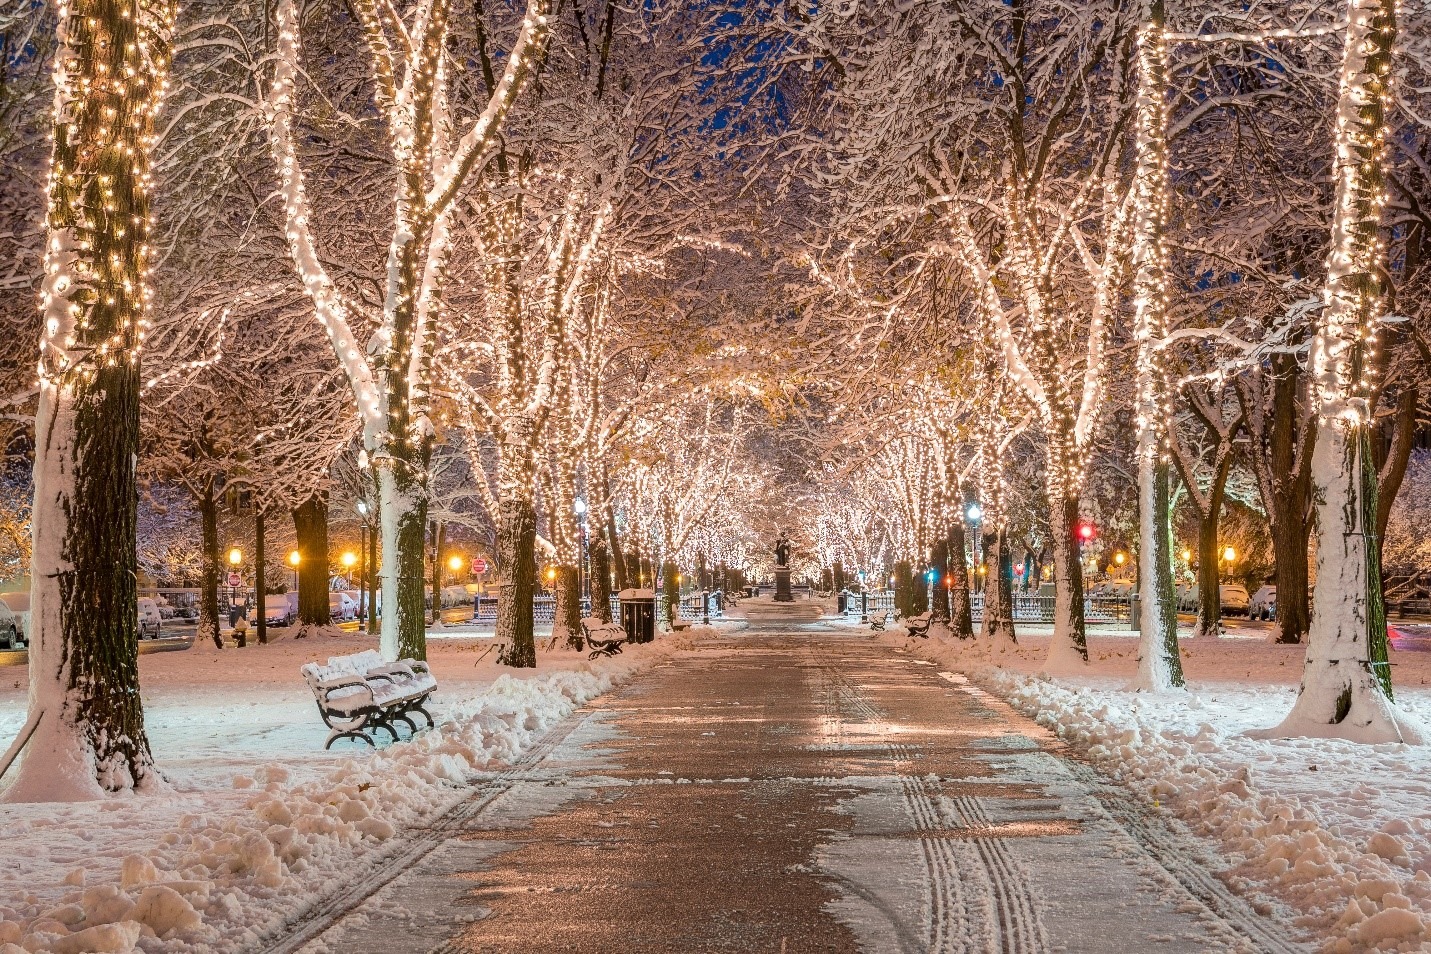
(1028, 607)
(484, 608)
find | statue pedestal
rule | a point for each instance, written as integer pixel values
(782, 585)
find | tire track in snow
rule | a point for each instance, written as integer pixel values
(1017, 928)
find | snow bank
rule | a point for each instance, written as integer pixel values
(1337, 835)
(223, 867)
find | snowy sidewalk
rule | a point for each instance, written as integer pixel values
(258, 827)
(805, 791)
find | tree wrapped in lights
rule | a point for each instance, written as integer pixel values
(1159, 664)
(88, 727)
(391, 375)
(1346, 685)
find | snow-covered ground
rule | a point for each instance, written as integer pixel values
(1334, 837)
(257, 822)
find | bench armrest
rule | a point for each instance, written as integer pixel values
(337, 682)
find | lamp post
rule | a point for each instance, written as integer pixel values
(235, 599)
(293, 560)
(363, 594)
(974, 513)
(1229, 555)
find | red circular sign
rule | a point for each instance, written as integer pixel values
(479, 565)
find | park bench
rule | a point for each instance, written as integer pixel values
(361, 693)
(603, 639)
(878, 622)
(919, 625)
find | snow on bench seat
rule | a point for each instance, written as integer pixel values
(361, 692)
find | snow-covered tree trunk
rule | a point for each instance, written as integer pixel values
(109, 74)
(1343, 694)
(1159, 663)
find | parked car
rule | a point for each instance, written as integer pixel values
(455, 596)
(1187, 598)
(277, 611)
(14, 619)
(1234, 598)
(341, 607)
(151, 624)
(1264, 603)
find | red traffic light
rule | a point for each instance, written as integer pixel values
(1086, 531)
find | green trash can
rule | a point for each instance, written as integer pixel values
(638, 615)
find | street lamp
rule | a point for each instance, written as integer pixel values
(1229, 554)
(975, 512)
(349, 559)
(1120, 558)
(235, 558)
(454, 563)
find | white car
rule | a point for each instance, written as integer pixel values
(1264, 603)
(277, 611)
(14, 619)
(151, 624)
(1234, 599)
(341, 607)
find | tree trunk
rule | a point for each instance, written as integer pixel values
(517, 554)
(600, 577)
(939, 610)
(1209, 597)
(961, 616)
(998, 624)
(1069, 649)
(904, 589)
(260, 578)
(670, 591)
(209, 625)
(1346, 683)
(1393, 469)
(566, 621)
(310, 525)
(85, 707)
(403, 516)
(1160, 664)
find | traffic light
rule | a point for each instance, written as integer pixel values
(1086, 531)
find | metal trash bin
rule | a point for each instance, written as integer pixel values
(638, 615)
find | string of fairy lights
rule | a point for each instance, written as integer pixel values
(110, 76)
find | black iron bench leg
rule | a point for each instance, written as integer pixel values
(402, 717)
(418, 709)
(354, 734)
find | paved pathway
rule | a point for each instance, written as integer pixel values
(795, 788)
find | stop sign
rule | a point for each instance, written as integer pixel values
(479, 565)
(235, 580)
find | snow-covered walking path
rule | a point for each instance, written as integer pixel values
(798, 788)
